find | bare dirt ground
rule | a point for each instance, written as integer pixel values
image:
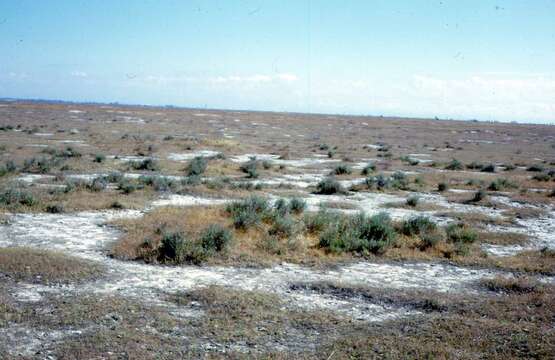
(150, 232)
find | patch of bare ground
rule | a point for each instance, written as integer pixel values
(44, 266)
(476, 219)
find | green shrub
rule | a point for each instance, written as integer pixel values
(297, 205)
(267, 165)
(490, 168)
(127, 186)
(17, 197)
(329, 186)
(250, 168)
(475, 166)
(197, 166)
(172, 247)
(501, 184)
(442, 186)
(535, 168)
(412, 200)
(146, 164)
(114, 177)
(315, 223)
(418, 224)
(283, 226)
(478, 196)
(55, 209)
(215, 238)
(460, 233)
(98, 184)
(331, 154)
(454, 165)
(368, 169)
(378, 182)
(360, 234)
(342, 169)
(541, 177)
(99, 158)
(248, 212)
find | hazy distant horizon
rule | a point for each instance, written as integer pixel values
(173, 106)
(485, 60)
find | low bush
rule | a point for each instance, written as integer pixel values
(329, 186)
(215, 238)
(535, 168)
(283, 226)
(541, 177)
(250, 168)
(342, 169)
(97, 184)
(460, 233)
(99, 158)
(454, 165)
(315, 223)
(412, 200)
(297, 205)
(368, 169)
(14, 196)
(502, 184)
(360, 234)
(475, 166)
(490, 168)
(248, 212)
(442, 186)
(478, 196)
(197, 166)
(146, 164)
(55, 209)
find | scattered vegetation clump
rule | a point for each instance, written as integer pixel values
(329, 186)
(535, 168)
(518, 285)
(359, 234)
(158, 183)
(297, 205)
(98, 184)
(99, 158)
(475, 166)
(249, 212)
(461, 233)
(68, 152)
(15, 196)
(8, 168)
(421, 226)
(502, 184)
(478, 196)
(267, 164)
(146, 164)
(396, 181)
(315, 223)
(215, 238)
(368, 169)
(442, 186)
(342, 169)
(489, 168)
(41, 165)
(509, 167)
(197, 166)
(55, 209)
(541, 177)
(454, 165)
(250, 168)
(412, 200)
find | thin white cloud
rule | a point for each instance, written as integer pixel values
(258, 78)
(79, 74)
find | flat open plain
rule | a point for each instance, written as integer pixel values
(151, 232)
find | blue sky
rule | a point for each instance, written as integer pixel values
(490, 60)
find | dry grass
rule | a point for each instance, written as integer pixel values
(43, 266)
